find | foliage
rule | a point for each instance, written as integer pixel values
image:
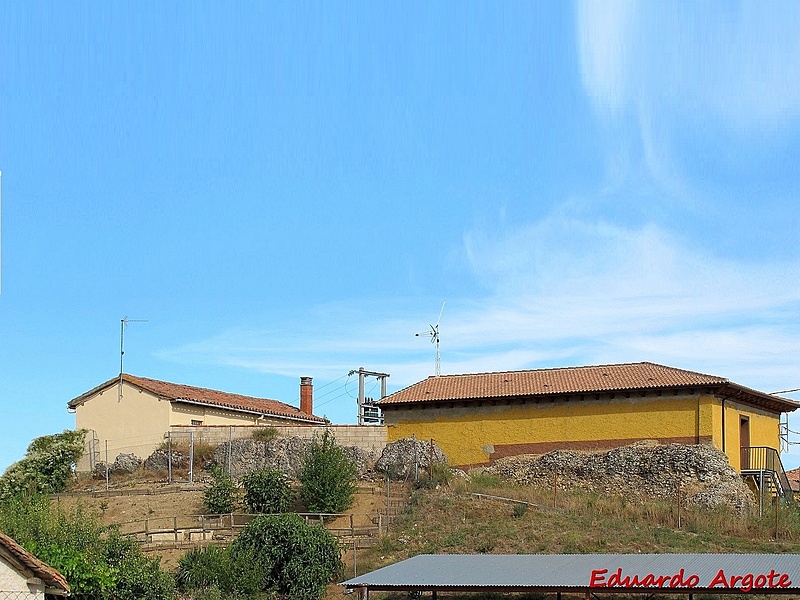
(213, 570)
(264, 434)
(46, 467)
(327, 476)
(266, 491)
(440, 474)
(297, 559)
(220, 496)
(97, 561)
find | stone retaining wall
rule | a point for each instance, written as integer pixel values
(371, 439)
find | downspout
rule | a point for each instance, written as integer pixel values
(723, 425)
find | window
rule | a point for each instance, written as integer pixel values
(195, 422)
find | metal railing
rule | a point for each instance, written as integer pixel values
(760, 459)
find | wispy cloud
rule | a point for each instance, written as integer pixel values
(738, 61)
(660, 74)
(561, 291)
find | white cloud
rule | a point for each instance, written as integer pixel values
(739, 62)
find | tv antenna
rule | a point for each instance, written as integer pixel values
(433, 333)
(123, 323)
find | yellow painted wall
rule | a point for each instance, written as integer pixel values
(764, 429)
(468, 435)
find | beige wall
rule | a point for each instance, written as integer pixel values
(133, 423)
(137, 422)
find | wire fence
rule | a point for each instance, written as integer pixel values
(19, 595)
(181, 454)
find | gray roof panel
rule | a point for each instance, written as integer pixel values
(575, 571)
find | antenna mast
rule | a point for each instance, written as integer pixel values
(123, 323)
(434, 335)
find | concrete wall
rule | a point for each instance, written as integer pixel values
(369, 438)
(474, 434)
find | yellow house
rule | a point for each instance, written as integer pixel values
(132, 415)
(478, 418)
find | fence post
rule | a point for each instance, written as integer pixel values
(106, 465)
(230, 443)
(169, 456)
(191, 457)
(416, 457)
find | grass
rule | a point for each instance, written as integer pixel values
(453, 520)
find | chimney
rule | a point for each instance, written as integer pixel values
(306, 395)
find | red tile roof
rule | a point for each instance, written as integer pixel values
(51, 577)
(177, 392)
(569, 380)
(794, 479)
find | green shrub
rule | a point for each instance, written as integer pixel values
(327, 477)
(96, 561)
(266, 491)
(264, 434)
(219, 570)
(220, 496)
(297, 559)
(46, 467)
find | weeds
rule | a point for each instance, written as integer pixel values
(264, 434)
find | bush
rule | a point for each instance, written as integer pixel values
(327, 476)
(266, 491)
(96, 561)
(214, 569)
(265, 434)
(46, 467)
(220, 496)
(297, 559)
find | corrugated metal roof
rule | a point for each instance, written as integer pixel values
(575, 572)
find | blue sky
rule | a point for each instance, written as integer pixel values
(287, 189)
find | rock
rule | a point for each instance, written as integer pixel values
(99, 471)
(159, 460)
(643, 469)
(285, 454)
(398, 458)
(126, 463)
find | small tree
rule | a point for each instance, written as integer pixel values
(220, 496)
(297, 559)
(327, 476)
(266, 491)
(46, 467)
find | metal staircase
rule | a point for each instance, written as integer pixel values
(763, 467)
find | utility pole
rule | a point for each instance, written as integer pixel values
(367, 411)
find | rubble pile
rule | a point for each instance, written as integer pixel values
(398, 458)
(644, 469)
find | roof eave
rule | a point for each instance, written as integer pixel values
(308, 419)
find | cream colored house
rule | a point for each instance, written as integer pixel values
(132, 415)
(23, 576)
